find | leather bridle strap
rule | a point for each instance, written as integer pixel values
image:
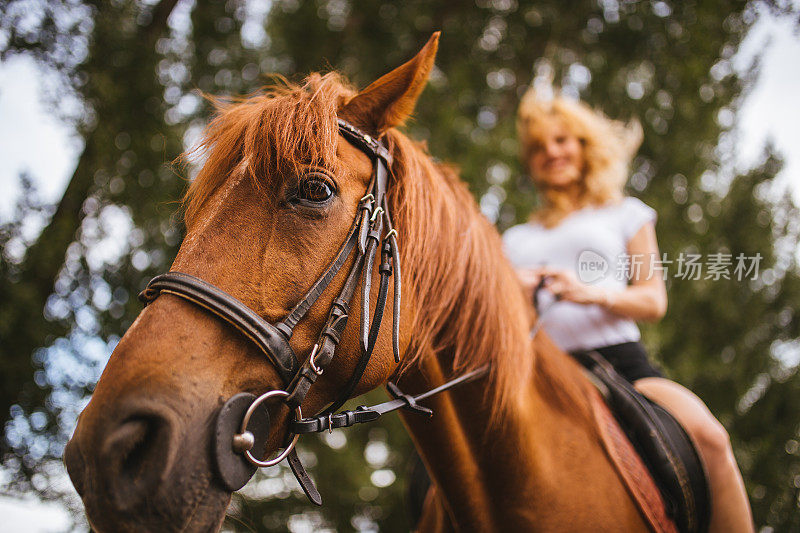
(391, 237)
(329, 338)
(287, 325)
(368, 243)
(263, 334)
(362, 414)
(369, 219)
(369, 345)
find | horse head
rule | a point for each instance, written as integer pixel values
(282, 188)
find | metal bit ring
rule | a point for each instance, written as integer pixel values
(246, 420)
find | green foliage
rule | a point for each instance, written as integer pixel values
(667, 64)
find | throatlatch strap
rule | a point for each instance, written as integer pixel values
(380, 179)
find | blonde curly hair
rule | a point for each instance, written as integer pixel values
(608, 148)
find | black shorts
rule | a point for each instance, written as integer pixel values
(630, 361)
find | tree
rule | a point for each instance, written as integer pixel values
(133, 66)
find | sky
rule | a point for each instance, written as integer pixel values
(32, 516)
(31, 139)
(771, 111)
(34, 141)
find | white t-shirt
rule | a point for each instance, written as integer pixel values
(592, 243)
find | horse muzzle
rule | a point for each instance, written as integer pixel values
(137, 467)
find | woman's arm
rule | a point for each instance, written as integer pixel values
(646, 296)
(645, 299)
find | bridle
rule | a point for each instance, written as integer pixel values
(242, 428)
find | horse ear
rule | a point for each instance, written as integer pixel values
(390, 100)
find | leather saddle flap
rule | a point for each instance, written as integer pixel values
(661, 443)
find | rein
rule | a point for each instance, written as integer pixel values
(236, 442)
(540, 313)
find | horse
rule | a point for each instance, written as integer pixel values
(517, 450)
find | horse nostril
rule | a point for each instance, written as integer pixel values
(132, 442)
(137, 454)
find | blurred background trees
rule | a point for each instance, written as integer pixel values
(126, 77)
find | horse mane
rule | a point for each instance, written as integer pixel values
(272, 133)
(470, 306)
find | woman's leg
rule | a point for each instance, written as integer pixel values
(730, 508)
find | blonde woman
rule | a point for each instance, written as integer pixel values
(583, 241)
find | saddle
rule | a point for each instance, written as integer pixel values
(662, 444)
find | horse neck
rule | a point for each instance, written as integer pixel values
(538, 467)
(503, 475)
(497, 440)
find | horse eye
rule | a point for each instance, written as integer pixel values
(314, 188)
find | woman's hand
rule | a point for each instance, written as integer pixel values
(565, 286)
(530, 279)
(645, 298)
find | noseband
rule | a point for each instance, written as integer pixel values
(242, 428)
